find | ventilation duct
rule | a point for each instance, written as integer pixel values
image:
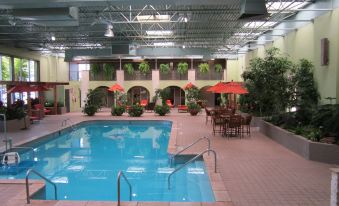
(252, 8)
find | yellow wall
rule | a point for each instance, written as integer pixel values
(234, 70)
(305, 43)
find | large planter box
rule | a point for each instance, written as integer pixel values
(16, 124)
(316, 151)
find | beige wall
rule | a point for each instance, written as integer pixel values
(305, 43)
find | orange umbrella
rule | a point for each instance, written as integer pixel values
(189, 86)
(213, 88)
(231, 88)
(116, 87)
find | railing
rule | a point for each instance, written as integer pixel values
(137, 75)
(191, 160)
(29, 148)
(64, 123)
(6, 140)
(44, 178)
(173, 75)
(121, 174)
(189, 146)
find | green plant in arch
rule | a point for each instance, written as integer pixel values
(164, 68)
(128, 67)
(144, 67)
(204, 68)
(218, 68)
(182, 68)
(108, 71)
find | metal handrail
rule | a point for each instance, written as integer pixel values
(195, 142)
(121, 174)
(191, 160)
(44, 178)
(5, 131)
(30, 148)
(64, 123)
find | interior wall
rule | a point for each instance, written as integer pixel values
(304, 42)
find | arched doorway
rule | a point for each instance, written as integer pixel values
(211, 98)
(108, 97)
(136, 94)
(177, 95)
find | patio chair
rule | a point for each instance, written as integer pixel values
(143, 102)
(40, 107)
(169, 103)
(246, 125)
(208, 114)
(233, 127)
(150, 107)
(218, 124)
(182, 108)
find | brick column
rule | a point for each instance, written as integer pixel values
(335, 187)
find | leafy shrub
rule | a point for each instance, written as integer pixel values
(135, 111)
(164, 68)
(117, 110)
(95, 69)
(193, 108)
(182, 68)
(108, 71)
(162, 110)
(129, 68)
(144, 67)
(204, 68)
(90, 110)
(218, 68)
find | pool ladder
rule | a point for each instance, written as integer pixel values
(44, 178)
(189, 146)
(191, 160)
(64, 123)
(121, 174)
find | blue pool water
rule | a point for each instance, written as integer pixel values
(84, 164)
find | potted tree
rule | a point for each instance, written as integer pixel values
(193, 108)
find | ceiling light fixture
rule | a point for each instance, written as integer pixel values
(159, 32)
(109, 32)
(53, 37)
(163, 44)
(183, 46)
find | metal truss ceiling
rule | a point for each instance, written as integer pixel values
(213, 25)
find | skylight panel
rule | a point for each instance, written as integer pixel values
(163, 44)
(153, 18)
(159, 32)
(261, 24)
(288, 6)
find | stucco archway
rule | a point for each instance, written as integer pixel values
(136, 94)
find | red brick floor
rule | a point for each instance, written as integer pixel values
(255, 170)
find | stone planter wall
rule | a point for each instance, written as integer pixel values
(16, 124)
(316, 151)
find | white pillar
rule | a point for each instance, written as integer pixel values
(191, 76)
(84, 83)
(335, 187)
(155, 82)
(120, 77)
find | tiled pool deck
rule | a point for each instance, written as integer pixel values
(251, 171)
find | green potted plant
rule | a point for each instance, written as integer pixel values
(108, 71)
(218, 68)
(135, 111)
(90, 109)
(193, 108)
(204, 68)
(117, 110)
(164, 68)
(144, 67)
(128, 67)
(162, 110)
(95, 69)
(182, 68)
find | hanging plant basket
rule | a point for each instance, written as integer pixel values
(129, 68)
(204, 68)
(182, 68)
(218, 68)
(164, 68)
(95, 69)
(144, 67)
(108, 71)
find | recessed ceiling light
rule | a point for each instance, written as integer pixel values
(183, 46)
(53, 38)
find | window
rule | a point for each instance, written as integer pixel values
(5, 62)
(25, 70)
(73, 72)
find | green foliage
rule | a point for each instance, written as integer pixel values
(5, 68)
(128, 67)
(117, 110)
(144, 67)
(121, 98)
(193, 95)
(15, 111)
(163, 94)
(304, 92)
(327, 117)
(218, 68)
(193, 108)
(135, 111)
(108, 71)
(164, 68)
(204, 68)
(162, 110)
(182, 68)
(20, 69)
(90, 110)
(267, 83)
(95, 69)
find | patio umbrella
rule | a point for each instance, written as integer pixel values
(189, 86)
(213, 88)
(115, 88)
(231, 88)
